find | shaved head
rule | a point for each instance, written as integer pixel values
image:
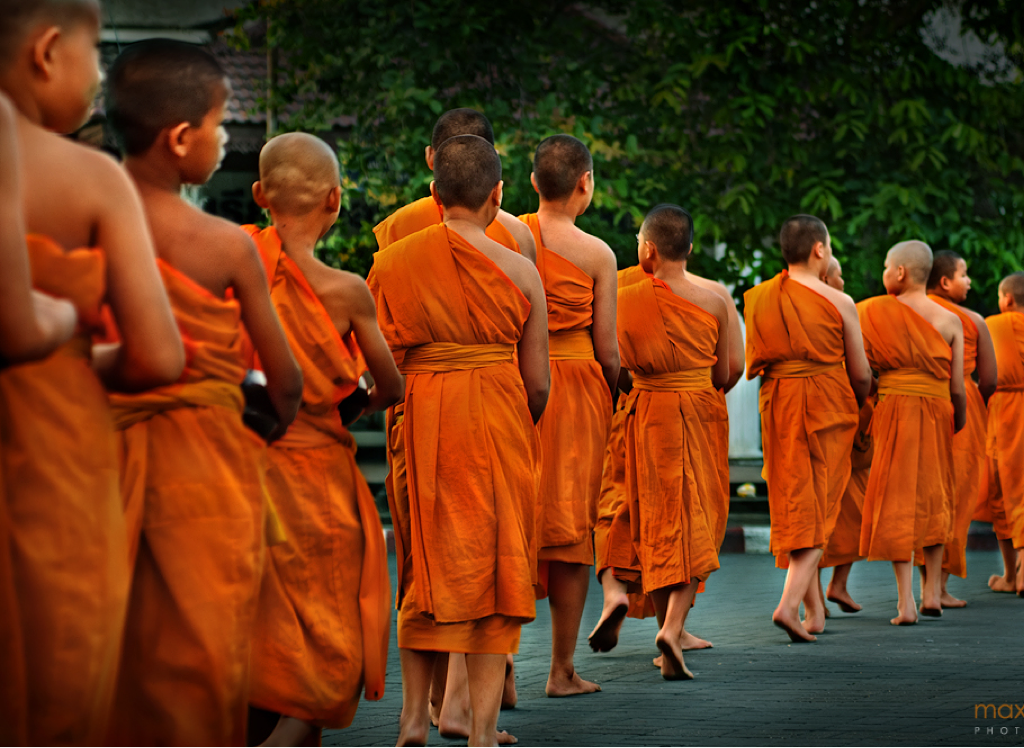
(944, 265)
(466, 171)
(915, 257)
(799, 235)
(19, 17)
(461, 122)
(160, 83)
(558, 164)
(670, 229)
(297, 171)
(1013, 284)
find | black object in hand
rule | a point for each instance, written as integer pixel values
(259, 413)
(353, 406)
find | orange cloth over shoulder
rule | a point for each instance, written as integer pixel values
(808, 409)
(64, 523)
(192, 481)
(575, 424)
(1005, 445)
(844, 544)
(968, 451)
(677, 435)
(424, 213)
(909, 497)
(324, 614)
(465, 525)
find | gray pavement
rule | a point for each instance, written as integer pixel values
(863, 683)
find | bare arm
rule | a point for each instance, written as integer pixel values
(521, 233)
(284, 377)
(986, 364)
(721, 372)
(151, 353)
(857, 368)
(389, 384)
(957, 392)
(534, 364)
(604, 332)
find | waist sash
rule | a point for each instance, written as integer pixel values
(128, 410)
(570, 344)
(913, 382)
(798, 369)
(1016, 387)
(432, 358)
(678, 381)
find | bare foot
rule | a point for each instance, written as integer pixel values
(843, 600)
(690, 642)
(672, 665)
(930, 611)
(997, 583)
(509, 697)
(790, 623)
(948, 601)
(411, 734)
(571, 685)
(605, 635)
(814, 624)
(828, 613)
(454, 724)
(503, 738)
(904, 619)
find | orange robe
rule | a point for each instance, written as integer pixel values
(909, 497)
(808, 410)
(1005, 445)
(968, 452)
(465, 524)
(424, 213)
(66, 532)
(677, 435)
(844, 544)
(324, 614)
(193, 488)
(575, 424)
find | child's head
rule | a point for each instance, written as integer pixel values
(949, 276)
(454, 122)
(299, 179)
(805, 239)
(666, 235)
(467, 174)
(1011, 293)
(167, 100)
(834, 275)
(562, 169)
(49, 59)
(907, 265)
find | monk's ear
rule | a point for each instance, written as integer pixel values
(333, 199)
(259, 196)
(582, 183)
(818, 250)
(178, 139)
(42, 51)
(533, 181)
(433, 192)
(428, 154)
(497, 193)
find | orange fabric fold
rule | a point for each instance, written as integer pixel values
(464, 449)
(422, 214)
(324, 617)
(909, 497)
(844, 543)
(808, 410)
(64, 525)
(575, 424)
(677, 439)
(1005, 442)
(197, 561)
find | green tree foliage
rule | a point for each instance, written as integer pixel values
(744, 113)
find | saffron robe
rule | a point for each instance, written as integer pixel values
(464, 526)
(1005, 446)
(844, 544)
(968, 451)
(909, 497)
(809, 412)
(324, 617)
(424, 213)
(193, 487)
(65, 528)
(677, 435)
(574, 427)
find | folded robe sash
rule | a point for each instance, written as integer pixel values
(568, 345)
(912, 382)
(441, 357)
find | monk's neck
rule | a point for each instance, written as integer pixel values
(913, 293)
(467, 228)
(152, 175)
(298, 237)
(937, 293)
(804, 273)
(671, 272)
(558, 213)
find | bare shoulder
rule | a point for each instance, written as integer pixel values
(713, 286)
(841, 301)
(519, 269)
(519, 230)
(974, 317)
(341, 289)
(946, 322)
(707, 298)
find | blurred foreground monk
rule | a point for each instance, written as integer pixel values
(198, 562)
(472, 344)
(1006, 436)
(324, 615)
(61, 519)
(579, 276)
(674, 340)
(917, 348)
(800, 333)
(449, 694)
(948, 285)
(843, 547)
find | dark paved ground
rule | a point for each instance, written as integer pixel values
(863, 683)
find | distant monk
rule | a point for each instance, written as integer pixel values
(800, 333)
(324, 616)
(948, 285)
(192, 474)
(87, 241)
(472, 343)
(579, 276)
(1006, 435)
(674, 340)
(917, 348)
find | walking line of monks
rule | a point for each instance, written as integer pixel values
(167, 577)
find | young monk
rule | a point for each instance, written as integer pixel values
(579, 276)
(1005, 437)
(674, 340)
(198, 563)
(948, 285)
(471, 344)
(324, 614)
(87, 242)
(800, 333)
(912, 342)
